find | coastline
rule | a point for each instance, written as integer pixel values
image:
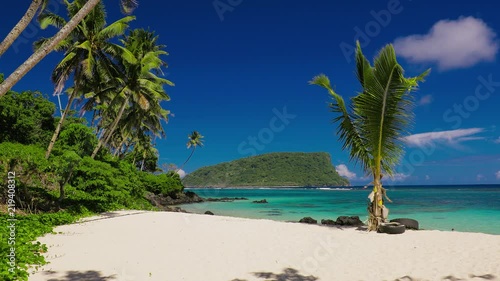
(265, 187)
(142, 245)
(462, 208)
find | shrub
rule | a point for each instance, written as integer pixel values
(26, 118)
(164, 184)
(76, 137)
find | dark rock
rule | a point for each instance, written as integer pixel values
(263, 201)
(349, 221)
(209, 213)
(328, 222)
(163, 202)
(308, 220)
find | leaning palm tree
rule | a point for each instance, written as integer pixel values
(194, 140)
(86, 52)
(35, 6)
(137, 84)
(126, 5)
(377, 119)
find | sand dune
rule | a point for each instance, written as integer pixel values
(159, 246)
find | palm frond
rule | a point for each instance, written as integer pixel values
(347, 130)
(116, 28)
(47, 19)
(383, 109)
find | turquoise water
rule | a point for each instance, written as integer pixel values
(463, 208)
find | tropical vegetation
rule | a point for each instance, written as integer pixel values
(67, 185)
(373, 125)
(65, 167)
(273, 169)
(126, 5)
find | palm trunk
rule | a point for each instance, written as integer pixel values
(143, 160)
(119, 149)
(375, 210)
(106, 137)
(126, 148)
(192, 152)
(93, 118)
(62, 183)
(61, 121)
(46, 48)
(20, 26)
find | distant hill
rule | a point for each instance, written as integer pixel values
(272, 169)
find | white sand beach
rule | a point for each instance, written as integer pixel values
(162, 246)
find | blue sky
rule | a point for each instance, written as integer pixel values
(241, 69)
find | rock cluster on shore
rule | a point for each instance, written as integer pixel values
(165, 203)
(308, 220)
(342, 221)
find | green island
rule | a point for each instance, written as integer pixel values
(280, 169)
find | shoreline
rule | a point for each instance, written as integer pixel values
(447, 186)
(143, 245)
(274, 187)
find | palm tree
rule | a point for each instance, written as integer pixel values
(137, 84)
(87, 50)
(377, 120)
(22, 24)
(194, 140)
(50, 45)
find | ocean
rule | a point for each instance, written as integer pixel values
(467, 208)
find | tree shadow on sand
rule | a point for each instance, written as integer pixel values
(289, 274)
(89, 275)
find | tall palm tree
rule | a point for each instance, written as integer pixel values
(35, 6)
(195, 139)
(138, 83)
(377, 120)
(126, 5)
(87, 51)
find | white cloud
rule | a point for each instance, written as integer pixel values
(497, 174)
(451, 44)
(497, 140)
(479, 177)
(181, 173)
(427, 99)
(450, 137)
(399, 177)
(427, 177)
(344, 172)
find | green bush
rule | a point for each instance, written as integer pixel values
(35, 180)
(164, 184)
(26, 118)
(76, 137)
